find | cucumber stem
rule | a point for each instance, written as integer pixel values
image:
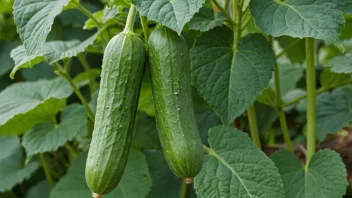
(95, 195)
(130, 19)
(184, 190)
(188, 180)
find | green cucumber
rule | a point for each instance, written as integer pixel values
(121, 77)
(169, 64)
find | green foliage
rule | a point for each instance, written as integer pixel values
(50, 136)
(31, 103)
(231, 78)
(299, 18)
(325, 175)
(234, 167)
(55, 48)
(136, 173)
(175, 14)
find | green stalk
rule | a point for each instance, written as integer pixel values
(252, 119)
(184, 189)
(320, 91)
(86, 67)
(46, 170)
(130, 19)
(311, 98)
(71, 150)
(280, 110)
(253, 126)
(64, 75)
(232, 22)
(144, 23)
(86, 12)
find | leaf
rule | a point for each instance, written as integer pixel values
(145, 102)
(165, 183)
(31, 103)
(205, 20)
(230, 79)
(290, 74)
(347, 4)
(58, 50)
(49, 137)
(34, 19)
(173, 14)
(234, 167)
(320, 19)
(136, 173)
(267, 97)
(328, 78)
(51, 51)
(8, 146)
(90, 23)
(13, 170)
(295, 48)
(40, 71)
(205, 119)
(145, 135)
(40, 190)
(333, 111)
(5, 59)
(341, 64)
(110, 13)
(324, 177)
(265, 117)
(82, 79)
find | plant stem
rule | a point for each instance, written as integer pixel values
(311, 98)
(320, 91)
(232, 22)
(72, 150)
(87, 13)
(280, 110)
(184, 189)
(46, 170)
(130, 19)
(144, 23)
(253, 126)
(86, 67)
(64, 75)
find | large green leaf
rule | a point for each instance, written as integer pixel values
(5, 59)
(329, 78)
(320, 19)
(325, 175)
(165, 183)
(8, 146)
(49, 137)
(234, 167)
(13, 170)
(205, 20)
(51, 51)
(347, 4)
(230, 78)
(31, 103)
(333, 111)
(40, 190)
(341, 64)
(145, 135)
(34, 19)
(173, 14)
(136, 181)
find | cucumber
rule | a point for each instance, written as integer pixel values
(121, 78)
(169, 64)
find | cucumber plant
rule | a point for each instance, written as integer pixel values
(195, 98)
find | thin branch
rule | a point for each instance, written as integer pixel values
(46, 170)
(225, 12)
(87, 13)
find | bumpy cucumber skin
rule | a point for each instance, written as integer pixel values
(121, 77)
(169, 64)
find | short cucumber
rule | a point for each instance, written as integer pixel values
(121, 77)
(169, 64)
